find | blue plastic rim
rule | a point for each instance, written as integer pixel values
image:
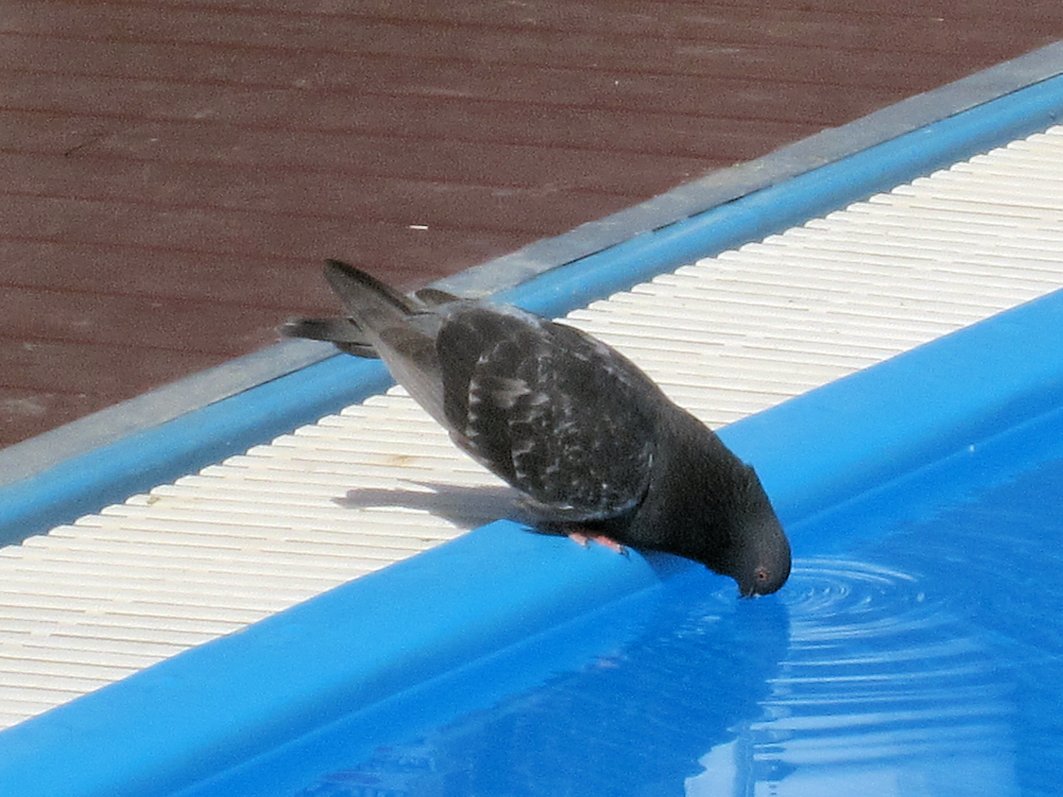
(109, 474)
(214, 706)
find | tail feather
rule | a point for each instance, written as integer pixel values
(341, 332)
(401, 330)
(330, 330)
(433, 297)
(378, 305)
(373, 304)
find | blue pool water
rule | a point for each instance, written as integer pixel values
(917, 650)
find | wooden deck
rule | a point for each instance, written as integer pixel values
(174, 172)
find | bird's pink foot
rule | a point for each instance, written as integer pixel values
(584, 539)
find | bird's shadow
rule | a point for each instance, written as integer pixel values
(462, 505)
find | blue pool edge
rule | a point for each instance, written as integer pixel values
(213, 706)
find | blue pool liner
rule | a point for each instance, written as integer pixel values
(138, 462)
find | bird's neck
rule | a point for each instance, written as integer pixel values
(685, 510)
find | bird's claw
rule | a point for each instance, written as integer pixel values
(580, 538)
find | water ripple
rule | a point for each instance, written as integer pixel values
(881, 682)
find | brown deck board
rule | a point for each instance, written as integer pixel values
(212, 233)
(549, 32)
(417, 74)
(29, 411)
(341, 155)
(749, 114)
(295, 194)
(103, 367)
(45, 265)
(174, 171)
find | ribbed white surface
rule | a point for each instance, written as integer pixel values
(92, 602)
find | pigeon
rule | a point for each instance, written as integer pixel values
(595, 448)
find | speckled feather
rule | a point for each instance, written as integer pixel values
(549, 409)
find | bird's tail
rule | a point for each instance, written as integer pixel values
(401, 330)
(372, 304)
(343, 333)
(381, 322)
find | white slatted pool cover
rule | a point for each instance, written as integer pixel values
(92, 602)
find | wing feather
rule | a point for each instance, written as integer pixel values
(561, 416)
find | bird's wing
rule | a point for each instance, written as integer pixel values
(559, 415)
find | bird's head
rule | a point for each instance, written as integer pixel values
(762, 563)
(758, 554)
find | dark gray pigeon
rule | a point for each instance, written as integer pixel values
(598, 451)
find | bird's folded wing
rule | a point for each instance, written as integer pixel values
(557, 414)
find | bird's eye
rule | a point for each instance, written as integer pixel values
(761, 574)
